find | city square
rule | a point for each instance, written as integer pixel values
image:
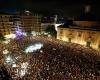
(49, 40)
(50, 59)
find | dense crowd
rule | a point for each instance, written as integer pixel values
(56, 60)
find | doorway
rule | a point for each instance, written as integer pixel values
(88, 44)
(69, 40)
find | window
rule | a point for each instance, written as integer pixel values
(79, 35)
(90, 37)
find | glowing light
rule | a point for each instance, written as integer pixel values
(17, 57)
(10, 36)
(5, 51)
(22, 73)
(49, 36)
(24, 65)
(65, 39)
(34, 47)
(27, 11)
(6, 41)
(41, 51)
(25, 34)
(14, 65)
(23, 69)
(82, 43)
(56, 25)
(46, 33)
(33, 33)
(8, 59)
(18, 34)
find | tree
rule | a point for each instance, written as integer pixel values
(2, 38)
(51, 31)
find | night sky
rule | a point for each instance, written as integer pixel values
(63, 7)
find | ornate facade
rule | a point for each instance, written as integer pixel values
(84, 30)
(88, 38)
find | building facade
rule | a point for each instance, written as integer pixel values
(26, 23)
(6, 24)
(88, 38)
(31, 23)
(84, 30)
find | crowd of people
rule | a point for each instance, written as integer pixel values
(56, 60)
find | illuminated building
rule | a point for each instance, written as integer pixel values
(26, 22)
(31, 22)
(84, 30)
(6, 24)
(17, 22)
